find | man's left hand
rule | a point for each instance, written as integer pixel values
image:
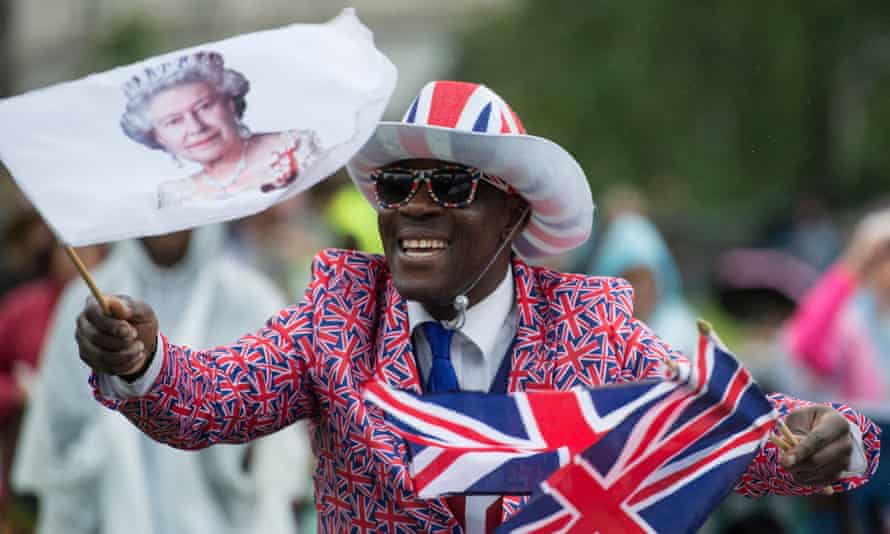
(824, 445)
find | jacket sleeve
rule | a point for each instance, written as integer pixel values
(63, 443)
(232, 393)
(644, 353)
(766, 476)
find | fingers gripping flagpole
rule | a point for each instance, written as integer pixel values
(88, 278)
(788, 440)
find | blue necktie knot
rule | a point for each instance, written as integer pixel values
(443, 378)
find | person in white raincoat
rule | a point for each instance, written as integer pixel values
(96, 473)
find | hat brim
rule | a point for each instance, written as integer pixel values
(541, 171)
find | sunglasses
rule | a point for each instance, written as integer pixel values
(450, 186)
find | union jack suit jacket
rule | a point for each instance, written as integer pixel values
(312, 359)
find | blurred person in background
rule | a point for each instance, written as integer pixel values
(839, 342)
(280, 241)
(617, 200)
(818, 337)
(759, 288)
(96, 473)
(26, 243)
(806, 230)
(25, 312)
(632, 248)
(349, 214)
(841, 331)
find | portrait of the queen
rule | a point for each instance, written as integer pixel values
(193, 107)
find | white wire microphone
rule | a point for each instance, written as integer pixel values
(461, 301)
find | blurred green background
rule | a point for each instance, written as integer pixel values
(731, 117)
(729, 112)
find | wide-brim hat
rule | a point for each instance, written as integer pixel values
(469, 124)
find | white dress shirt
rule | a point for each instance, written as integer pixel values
(477, 351)
(479, 347)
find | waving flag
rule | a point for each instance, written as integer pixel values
(472, 443)
(634, 458)
(196, 136)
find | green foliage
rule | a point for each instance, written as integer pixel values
(719, 110)
(124, 41)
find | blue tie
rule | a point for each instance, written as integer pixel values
(443, 379)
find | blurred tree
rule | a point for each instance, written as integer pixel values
(123, 41)
(719, 110)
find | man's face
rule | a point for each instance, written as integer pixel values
(434, 253)
(193, 122)
(169, 249)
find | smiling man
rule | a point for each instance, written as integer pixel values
(463, 194)
(441, 225)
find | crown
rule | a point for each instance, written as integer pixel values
(158, 77)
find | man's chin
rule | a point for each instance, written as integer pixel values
(423, 294)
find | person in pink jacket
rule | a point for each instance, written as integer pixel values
(841, 329)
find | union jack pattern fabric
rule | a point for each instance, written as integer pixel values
(313, 360)
(464, 106)
(469, 123)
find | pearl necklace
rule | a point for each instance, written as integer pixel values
(222, 185)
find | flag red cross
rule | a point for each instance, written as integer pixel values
(597, 508)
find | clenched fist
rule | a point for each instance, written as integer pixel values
(122, 344)
(824, 445)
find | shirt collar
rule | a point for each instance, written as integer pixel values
(484, 319)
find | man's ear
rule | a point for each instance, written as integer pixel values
(520, 212)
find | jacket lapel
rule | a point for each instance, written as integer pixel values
(397, 367)
(531, 361)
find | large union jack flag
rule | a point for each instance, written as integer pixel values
(645, 457)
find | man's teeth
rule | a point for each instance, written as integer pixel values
(424, 243)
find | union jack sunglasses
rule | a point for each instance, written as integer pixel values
(449, 186)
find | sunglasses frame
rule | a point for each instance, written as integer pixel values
(426, 175)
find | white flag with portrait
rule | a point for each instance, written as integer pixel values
(197, 136)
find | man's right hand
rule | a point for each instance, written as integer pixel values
(123, 344)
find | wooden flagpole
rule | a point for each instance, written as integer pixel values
(88, 278)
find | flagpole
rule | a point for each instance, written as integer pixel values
(88, 278)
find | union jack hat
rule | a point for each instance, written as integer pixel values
(468, 123)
